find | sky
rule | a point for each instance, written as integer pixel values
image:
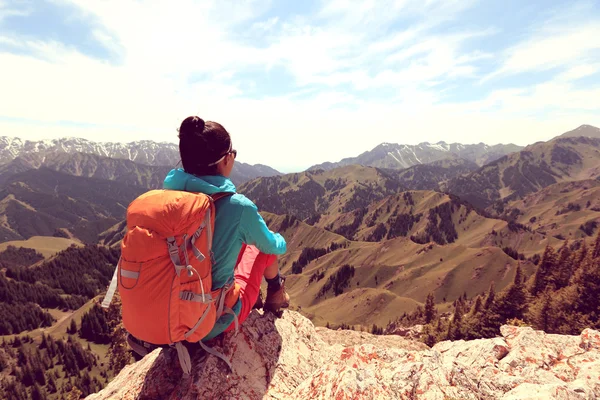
(300, 82)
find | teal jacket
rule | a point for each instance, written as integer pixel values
(237, 221)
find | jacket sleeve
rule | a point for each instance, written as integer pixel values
(255, 232)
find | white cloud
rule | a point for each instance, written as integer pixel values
(579, 71)
(552, 48)
(171, 62)
(14, 9)
(265, 26)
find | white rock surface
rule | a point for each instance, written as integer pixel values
(287, 358)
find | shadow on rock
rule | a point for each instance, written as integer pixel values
(254, 353)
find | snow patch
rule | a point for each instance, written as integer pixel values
(394, 157)
(437, 146)
(416, 158)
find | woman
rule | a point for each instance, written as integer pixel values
(243, 245)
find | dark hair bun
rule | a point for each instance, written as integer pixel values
(191, 126)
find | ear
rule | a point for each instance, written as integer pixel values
(227, 160)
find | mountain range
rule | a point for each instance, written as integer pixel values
(367, 244)
(401, 156)
(43, 202)
(535, 167)
(428, 223)
(150, 160)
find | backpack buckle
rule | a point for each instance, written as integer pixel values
(187, 296)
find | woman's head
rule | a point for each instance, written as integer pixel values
(205, 148)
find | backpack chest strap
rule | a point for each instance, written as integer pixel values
(197, 298)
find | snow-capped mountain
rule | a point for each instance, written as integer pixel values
(143, 152)
(401, 156)
(146, 154)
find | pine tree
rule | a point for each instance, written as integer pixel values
(439, 327)
(40, 376)
(43, 344)
(587, 285)
(37, 393)
(596, 253)
(72, 328)
(450, 330)
(541, 313)
(476, 306)
(580, 255)
(85, 383)
(51, 385)
(518, 280)
(28, 376)
(544, 272)
(456, 332)
(22, 357)
(428, 335)
(430, 310)
(488, 323)
(561, 275)
(512, 303)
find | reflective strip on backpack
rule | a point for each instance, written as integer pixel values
(112, 288)
(198, 298)
(130, 274)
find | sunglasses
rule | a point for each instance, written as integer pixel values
(232, 151)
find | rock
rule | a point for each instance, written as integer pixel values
(348, 338)
(288, 358)
(411, 332)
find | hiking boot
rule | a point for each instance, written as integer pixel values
(277, 299)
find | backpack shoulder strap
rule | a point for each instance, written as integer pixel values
(219, 196)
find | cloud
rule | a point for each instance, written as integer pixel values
(567, 38)
(554, 50)
(14, 9)
(265, 26)
(579, 72)
(342, 77)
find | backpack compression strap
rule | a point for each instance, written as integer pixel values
(112, 288)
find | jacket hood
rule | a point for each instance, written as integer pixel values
(178, 179)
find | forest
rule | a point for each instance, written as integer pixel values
(561, 297)
(66, 282)
(49, 367)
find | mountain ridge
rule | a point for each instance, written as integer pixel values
(144, 153)
(401, 156)
(537, 166)
(38, 202)
(583, 130)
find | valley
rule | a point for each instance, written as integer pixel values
(368, 245)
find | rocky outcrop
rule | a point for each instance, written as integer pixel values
(287, 358)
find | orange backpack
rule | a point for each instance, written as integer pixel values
(164, 274)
